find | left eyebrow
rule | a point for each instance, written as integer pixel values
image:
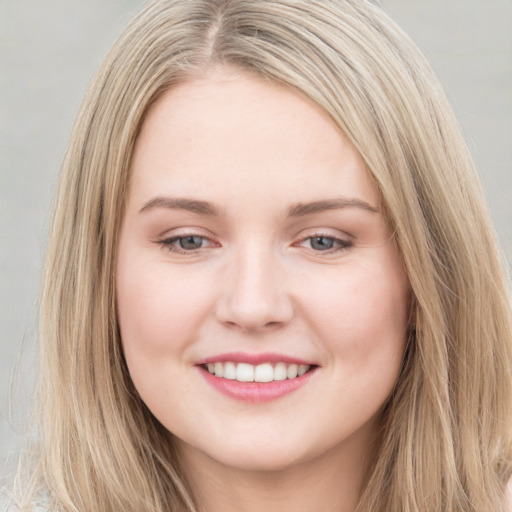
(302, 209)
(179, 203)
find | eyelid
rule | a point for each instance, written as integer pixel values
(168, 239)
(343, 241)
(181, 230)
(324, 231)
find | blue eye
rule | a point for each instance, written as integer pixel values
(323, 243)
(188, 243)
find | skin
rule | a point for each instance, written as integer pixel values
(258, 281)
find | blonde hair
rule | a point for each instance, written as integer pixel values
(445, 440)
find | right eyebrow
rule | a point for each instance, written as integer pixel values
(303, 209)
(181, 203)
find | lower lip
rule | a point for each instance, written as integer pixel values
(256, 392)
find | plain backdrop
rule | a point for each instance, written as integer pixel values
(49, 50)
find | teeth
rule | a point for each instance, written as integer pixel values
(266, 372)
(280, 371)
(291, 373)
(303, 368)
(230, 371)
(244, 372)
(219, 369)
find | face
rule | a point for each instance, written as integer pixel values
(262, 302)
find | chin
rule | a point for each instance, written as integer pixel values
(258, 461)
(254, 456)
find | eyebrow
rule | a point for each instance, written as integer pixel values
(180, 203)
(303, 209)
(297, 210)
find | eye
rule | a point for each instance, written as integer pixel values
(190, 243)
(322, 243)
(186, 243)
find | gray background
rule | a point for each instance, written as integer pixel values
(49, 49)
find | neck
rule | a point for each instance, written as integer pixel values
(331, 483)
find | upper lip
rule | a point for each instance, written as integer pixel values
(254, 359)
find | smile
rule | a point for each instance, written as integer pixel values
(265, 372)
(256, 377)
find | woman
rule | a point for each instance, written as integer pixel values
(271, 280)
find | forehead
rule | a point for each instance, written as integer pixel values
(235, 132)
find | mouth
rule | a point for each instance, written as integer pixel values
(256, 378)
(264, 372)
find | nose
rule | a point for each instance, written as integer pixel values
(254, 293)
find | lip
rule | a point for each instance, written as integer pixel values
(255, 359)
(255, 392)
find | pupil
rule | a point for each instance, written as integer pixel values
(322, 243)
(190, 242)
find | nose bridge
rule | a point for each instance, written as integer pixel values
(255, 295)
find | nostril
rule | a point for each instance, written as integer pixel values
(248, 311)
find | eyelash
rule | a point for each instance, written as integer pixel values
(171, 244)
(339, 244)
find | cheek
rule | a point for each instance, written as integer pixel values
(158, 310)
(361, 319)
(159, 314)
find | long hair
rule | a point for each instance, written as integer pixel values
(445, 436)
